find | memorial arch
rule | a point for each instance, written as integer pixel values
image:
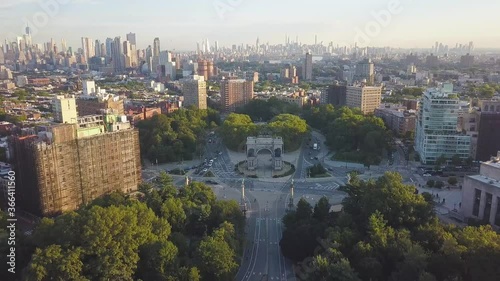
(255, 145)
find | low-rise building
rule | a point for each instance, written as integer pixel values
(481, 194)
(398, 119)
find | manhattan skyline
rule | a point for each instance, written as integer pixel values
(179, 25)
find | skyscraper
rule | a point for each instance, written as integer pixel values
(156, 47)
(109, 47)
(131, 38)
(194, 89)
(307, 70)
(64, 47)
(235, 93)
(437, 126)
(117, 56)
(88, 48)
(97, 48)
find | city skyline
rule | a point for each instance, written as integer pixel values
(179, 26)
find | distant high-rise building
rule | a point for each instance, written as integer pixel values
(203, 69)
(64, 47)
(156, 47)
(87, 47)
(366, 70)
(195, 92)
(366, 98)
(467, 61)
(97, 48)
(307, 70)
(117, 56)
(109, 47)
(64, 109)
(437, 126)
(131, 38)
(235, 93)
(156, 53)
(432, 60)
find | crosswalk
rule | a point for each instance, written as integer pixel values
(318, 186)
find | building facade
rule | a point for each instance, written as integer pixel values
(235, 93)
(195, 92)
(335, 95)
(399, 120)
(481, 194)
(58, 171)
(488, 130)
(365, 70)
(64, 108)
(308, 67)
(91, 105)
(437, 127)
(366, 98)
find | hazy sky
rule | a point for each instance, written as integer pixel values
(180, 24)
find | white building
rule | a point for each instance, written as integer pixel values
(437, 126)
(65, 109)
(481, 194)
(88, 87)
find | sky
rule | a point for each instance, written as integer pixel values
(181, 24)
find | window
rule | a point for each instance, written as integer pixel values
(477, 201)
(487, 207)
(497, 217)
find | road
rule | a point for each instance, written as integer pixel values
(263, 259)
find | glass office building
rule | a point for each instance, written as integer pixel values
(437, 127)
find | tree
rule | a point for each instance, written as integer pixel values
(452, 180)
(439, 184)
(54, 263)
(321, 209)
(431, 183)
(331, 266)
(304, 210)
(216, 257)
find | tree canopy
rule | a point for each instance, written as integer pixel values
(354, 136)
(237, 127)
(386, 232)
(177, 136)
(263, 111)
(170, 235)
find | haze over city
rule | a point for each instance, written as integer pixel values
(180, 24)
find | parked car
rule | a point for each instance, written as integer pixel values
(427, 175)
(204, 170)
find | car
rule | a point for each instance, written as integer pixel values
(316, 158)
(211, 182)
(312, 158)
(204, 170)
(427, 175)
(210, 164)
(220, 153)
